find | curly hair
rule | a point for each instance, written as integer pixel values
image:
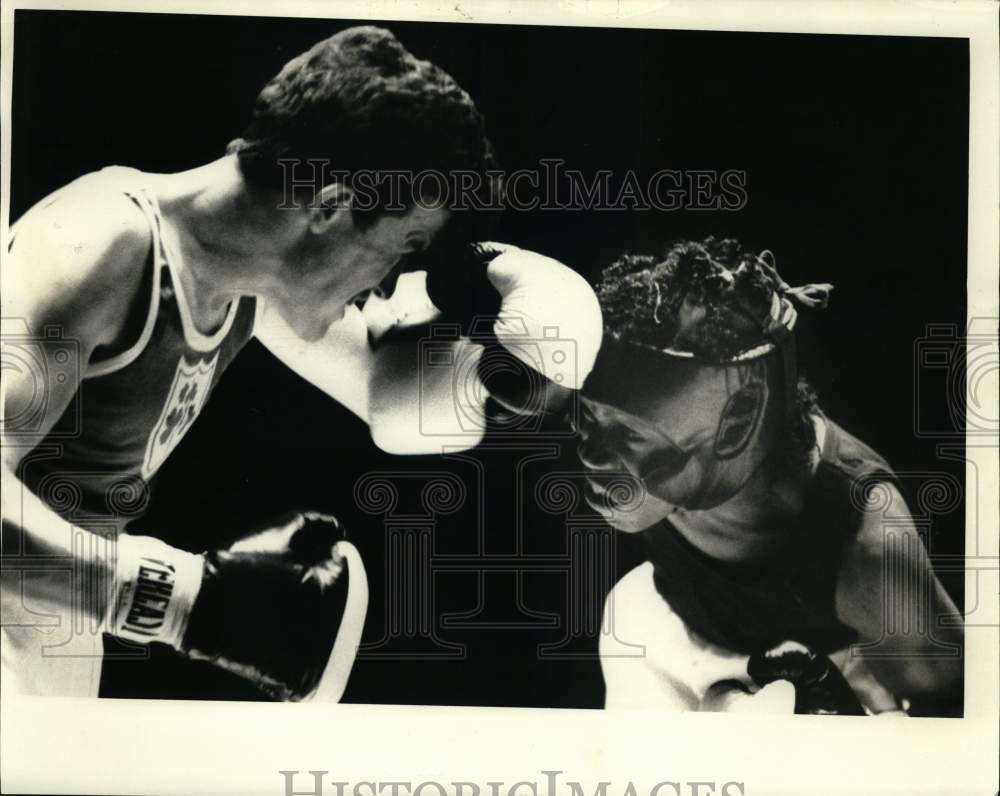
(360, 101)
(711, 298)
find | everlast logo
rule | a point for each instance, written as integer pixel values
(153, 589)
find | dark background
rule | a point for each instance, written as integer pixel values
(856, 154)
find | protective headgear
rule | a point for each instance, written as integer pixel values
(719, 419)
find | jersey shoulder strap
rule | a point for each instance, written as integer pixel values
(130, 184)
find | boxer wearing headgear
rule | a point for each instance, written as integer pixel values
(761, 567)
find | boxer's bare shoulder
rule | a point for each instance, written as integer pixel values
(77, 259)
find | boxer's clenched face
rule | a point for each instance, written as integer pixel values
(692, 431)
(620, 451)
(333, 265)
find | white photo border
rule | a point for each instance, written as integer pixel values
(160, 747)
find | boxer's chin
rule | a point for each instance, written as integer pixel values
(630, 520)
(637, 514)
(627, 523)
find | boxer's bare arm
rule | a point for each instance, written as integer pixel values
(75, 266)
(383, 382)
(422, 392)
(886, 574)
(339, 364)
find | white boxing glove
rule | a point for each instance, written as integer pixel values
(509, 324)
(549, 319)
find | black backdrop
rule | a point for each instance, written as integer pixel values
(856, 155)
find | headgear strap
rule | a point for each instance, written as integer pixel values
(813, 295)
(779, 323)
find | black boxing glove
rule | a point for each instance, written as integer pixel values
(458, 284)
(820, 687)
(282, 608)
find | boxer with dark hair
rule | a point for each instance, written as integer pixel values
(156, 282)
(765, 562)
(360, 103)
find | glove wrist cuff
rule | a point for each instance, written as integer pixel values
(155, 587)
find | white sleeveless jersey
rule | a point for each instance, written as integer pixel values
(95, 466)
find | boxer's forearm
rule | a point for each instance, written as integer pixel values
(909, 628)
(339, 364)
(49, 563)
(387, 373)
(927, 662)
(929, 669)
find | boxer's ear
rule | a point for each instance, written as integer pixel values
(740, 418)
(332, 207)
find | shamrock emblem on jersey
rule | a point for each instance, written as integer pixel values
(191, 386)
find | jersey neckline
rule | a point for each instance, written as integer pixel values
(198, 340)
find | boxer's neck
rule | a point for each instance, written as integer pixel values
(230, 238)
(754, 523)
